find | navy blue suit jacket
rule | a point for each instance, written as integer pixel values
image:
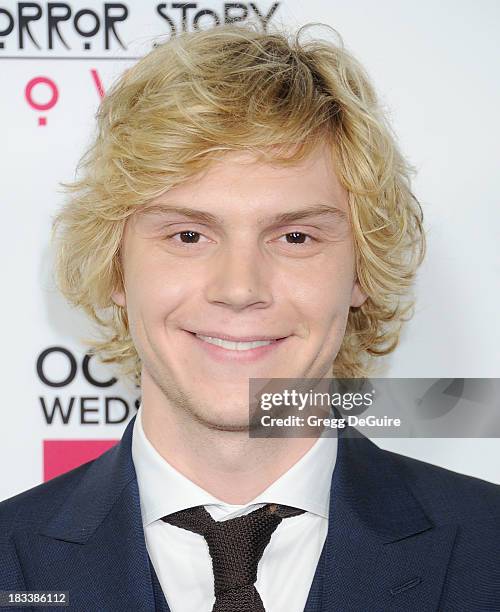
(403, 535)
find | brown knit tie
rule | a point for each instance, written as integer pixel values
(236, 547)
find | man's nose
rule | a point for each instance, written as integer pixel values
(240, 277)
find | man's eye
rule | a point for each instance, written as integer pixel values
(297, 237)
(186, 237)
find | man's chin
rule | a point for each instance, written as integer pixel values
(225, 424)
(224, 421)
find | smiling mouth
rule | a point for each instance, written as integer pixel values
(236, 345)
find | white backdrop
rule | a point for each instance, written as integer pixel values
(435, 68)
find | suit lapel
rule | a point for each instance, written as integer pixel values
(98, 550)
(382, 552)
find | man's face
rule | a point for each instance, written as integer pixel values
(245, 273)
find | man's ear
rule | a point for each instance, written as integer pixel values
(118, 293)
(358, 296)
(118, 297)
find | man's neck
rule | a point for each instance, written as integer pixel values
(228, 464)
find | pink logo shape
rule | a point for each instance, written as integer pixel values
(28, 92)
(60, 456)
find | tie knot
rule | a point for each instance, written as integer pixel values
(235, 545)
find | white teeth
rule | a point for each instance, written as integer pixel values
(234, 346)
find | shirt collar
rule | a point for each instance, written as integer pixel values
(164, 490)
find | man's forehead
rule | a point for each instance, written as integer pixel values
(240, 183)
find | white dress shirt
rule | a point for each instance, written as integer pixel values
(181, 558)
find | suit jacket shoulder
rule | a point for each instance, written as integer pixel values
(35, 505)
(449, 495)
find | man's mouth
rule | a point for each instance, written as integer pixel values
(233, 343)
(234, 346)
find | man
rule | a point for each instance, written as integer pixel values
(245, 213)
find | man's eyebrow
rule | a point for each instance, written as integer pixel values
(315, 210)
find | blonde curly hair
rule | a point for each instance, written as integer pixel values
(234, 88)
